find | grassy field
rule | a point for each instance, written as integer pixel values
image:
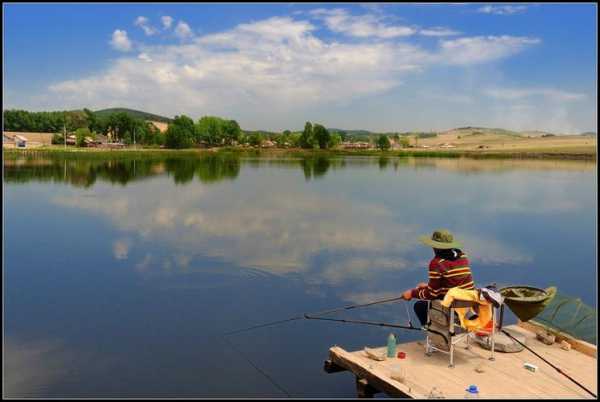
(502, 141)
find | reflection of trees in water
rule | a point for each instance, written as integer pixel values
(315, 167)
(84, 173)
(383, 162)
(211, 168)
(208, 169)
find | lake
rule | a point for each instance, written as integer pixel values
(120, 276)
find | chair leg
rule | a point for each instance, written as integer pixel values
(427, 346)
(451, 365)
(492, 358)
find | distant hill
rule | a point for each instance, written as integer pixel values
(589, 134)
(474, 131)
(351, 132)
(134, 113)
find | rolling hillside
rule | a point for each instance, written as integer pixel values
(134, 113)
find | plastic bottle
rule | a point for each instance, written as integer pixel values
(391, 346)
(472, 392)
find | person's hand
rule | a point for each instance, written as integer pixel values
(422, 285)
(407, 295)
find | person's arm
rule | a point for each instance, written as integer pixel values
(432, 289)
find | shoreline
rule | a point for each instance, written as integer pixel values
(549, 153)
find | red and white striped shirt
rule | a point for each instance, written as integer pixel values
(444, 275)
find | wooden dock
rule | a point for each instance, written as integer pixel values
(505, 377)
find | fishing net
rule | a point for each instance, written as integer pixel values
(527, 302)
(570, 315)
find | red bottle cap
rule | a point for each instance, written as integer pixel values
(401, 355)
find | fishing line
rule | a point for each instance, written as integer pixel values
(315, 314)
(262, 372)
(268, 324)
(550, 364)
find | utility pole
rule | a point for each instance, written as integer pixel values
(65, 135)
(134, 138)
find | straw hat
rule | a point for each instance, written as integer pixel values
(441, 238)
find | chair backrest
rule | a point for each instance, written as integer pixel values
(463, 303)
(440, 315)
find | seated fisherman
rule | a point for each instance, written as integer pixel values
(449, 268)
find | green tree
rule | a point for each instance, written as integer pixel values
(307, 138)
(80, 135)
(294, 139)
(231, 131)
(58, 139)
(404, 141)
(383, 142)
(335, 140)
(256, 138)
(180, 133)
(321, 136)
(209, 131)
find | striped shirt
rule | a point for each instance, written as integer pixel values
(444, 275)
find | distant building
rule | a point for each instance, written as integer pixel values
(356, 145)
(26, 139)
(8, 140)
(20, 141)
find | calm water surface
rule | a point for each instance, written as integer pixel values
(120, 276)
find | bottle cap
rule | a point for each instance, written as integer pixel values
(473, 389)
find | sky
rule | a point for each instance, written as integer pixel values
(274, 66)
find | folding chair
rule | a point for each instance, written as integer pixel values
(444, 332)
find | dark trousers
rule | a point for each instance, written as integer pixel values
(420, 308)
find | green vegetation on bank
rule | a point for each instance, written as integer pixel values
(126, 127)
(99, 153)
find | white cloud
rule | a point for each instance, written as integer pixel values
(276, 64)
(438, 31)
(166, 21)
(480, 49)
(183, 30)
(120, 41)
(523, 93)
(502, 10)
(365, 25)
(144, 57)
(142, 22)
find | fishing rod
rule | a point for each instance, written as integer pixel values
(315, 314)
(378, 324)
(550, 364)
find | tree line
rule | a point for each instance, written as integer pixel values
(118, 126)
(182, 131)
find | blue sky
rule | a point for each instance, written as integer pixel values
(389, 67)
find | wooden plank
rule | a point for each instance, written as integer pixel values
(503, 378)
(577, 344)
(364, 389)
(331, 367)
(373, 375)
